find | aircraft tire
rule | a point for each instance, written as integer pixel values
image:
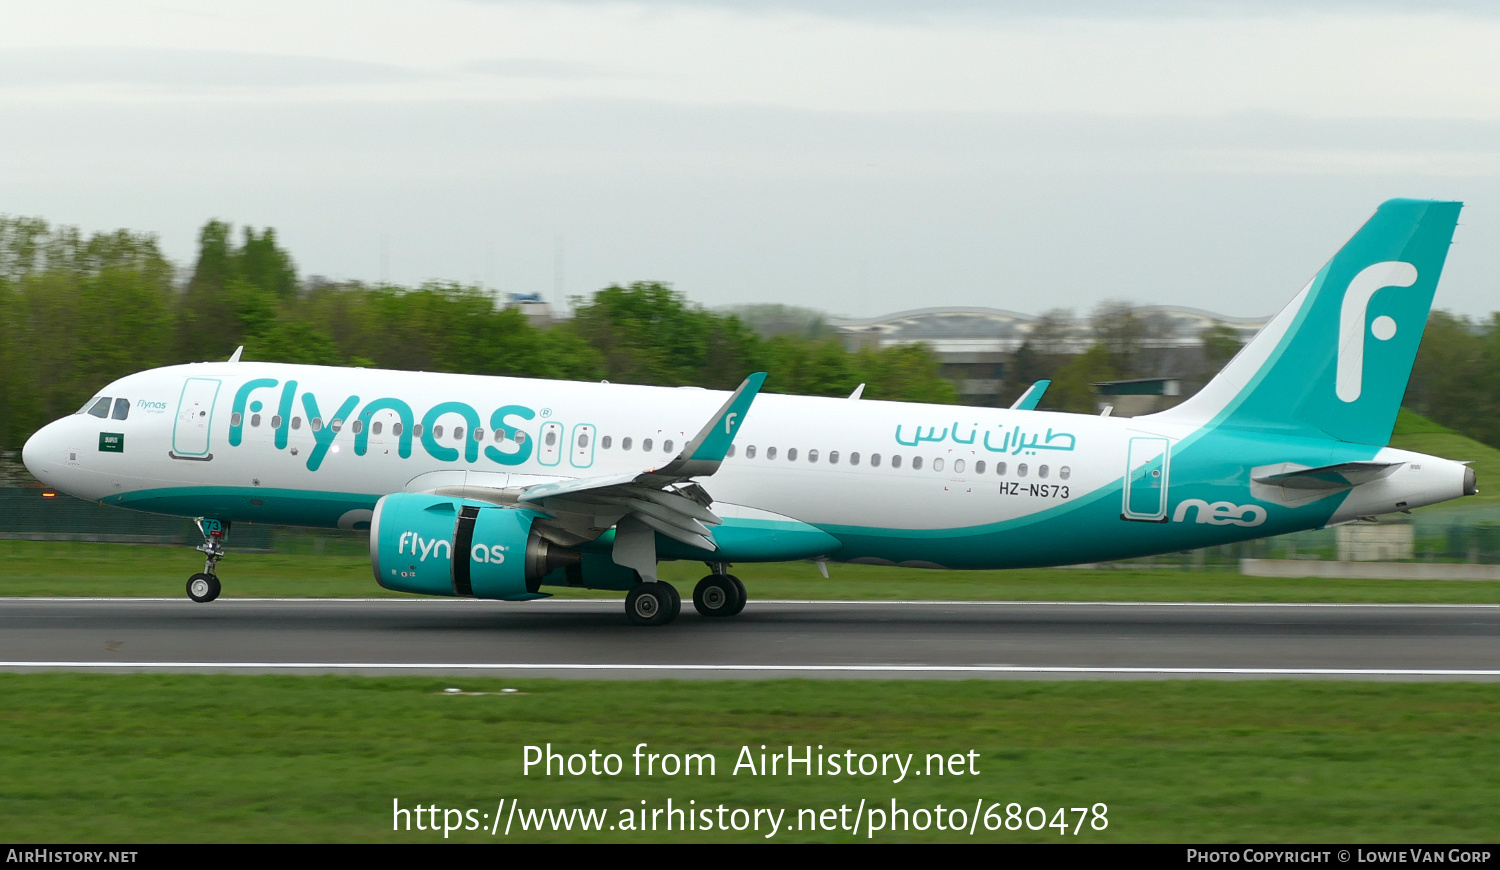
(741, 598)
(203, 587)
(717, 595)
(652, 604)
(676, 600)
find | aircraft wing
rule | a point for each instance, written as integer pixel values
(1028, 400)
(664, 499)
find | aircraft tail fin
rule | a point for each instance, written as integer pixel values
(1334, 363)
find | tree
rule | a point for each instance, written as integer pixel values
(1073, 386)
(1120, 331)
(233, 293)
(1220, 344)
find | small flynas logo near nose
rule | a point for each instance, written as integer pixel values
(1350, 375)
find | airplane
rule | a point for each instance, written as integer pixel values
(496, 487)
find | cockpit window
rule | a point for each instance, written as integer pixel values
(122, 409)
(101, 408)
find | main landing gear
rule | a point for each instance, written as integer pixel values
(720, 593)
(205, 586)
(658, 603)
(654, 603)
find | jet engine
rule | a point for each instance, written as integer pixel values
(436, 545)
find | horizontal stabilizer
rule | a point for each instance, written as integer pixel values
(1340, 476)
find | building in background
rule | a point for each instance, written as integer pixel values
(978, 348)
(538, 311)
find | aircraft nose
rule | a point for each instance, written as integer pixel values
(38, 454)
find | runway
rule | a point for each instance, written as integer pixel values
(771, 639)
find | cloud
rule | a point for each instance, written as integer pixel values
(536, 68)
(186, 69)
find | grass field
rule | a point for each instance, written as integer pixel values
(83, 569)
(147, 758)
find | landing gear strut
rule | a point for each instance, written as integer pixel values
(655, 603)
(720, 593)
(205, 586)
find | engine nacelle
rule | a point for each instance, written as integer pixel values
(435, 545)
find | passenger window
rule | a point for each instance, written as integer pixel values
(874, 460)
(499, 435)
(1041, 472)
(916, 463)
(1064, 472)
(812, 456)
(122, 409)
(606, 441)
(100, 409)
(730, 453)
(255, 421)
(276, 422)
(336, 425)
(791, 454)
(296, 422)
(1000, 469)
(234, 419)
(316, 424)
(770, 452)
(478, 434)
(646, 445)
(396, 429)
(666, 447)
(551, 438)
(979, 466)
(833, 457)
(750, 452)
(583, 439)
(1021, 470)
(458, 433)
(375, 427)
(937, 465)
(958, 466)
(896, 461)
(437, 431)
(854, 459)
(520, 437)
(625, 443)
(356, 427)
(416, 431)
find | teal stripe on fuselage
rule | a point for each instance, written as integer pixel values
(290, 507)
(1085, 528)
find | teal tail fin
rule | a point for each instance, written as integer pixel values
(1334, 363)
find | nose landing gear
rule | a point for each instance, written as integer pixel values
(205, 586)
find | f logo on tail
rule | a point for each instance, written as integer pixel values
(1349, 379)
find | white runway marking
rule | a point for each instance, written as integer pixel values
(914, 669)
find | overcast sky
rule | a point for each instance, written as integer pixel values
(859, 157)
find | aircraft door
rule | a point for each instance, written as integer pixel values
(195, 414)
(550, 450)
(1147, 468)
(583, 445)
